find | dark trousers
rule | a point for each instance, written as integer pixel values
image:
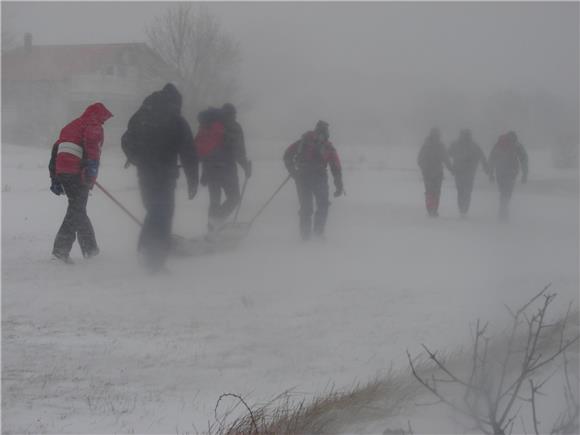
(222, 178)
(311, 189)
(464, 184)
(432, 192)
(505, 185)
(76, 223)
(158, 195)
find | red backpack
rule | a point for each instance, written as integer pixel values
(209, 137)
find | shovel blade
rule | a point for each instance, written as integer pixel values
(230, 234)
(183, 247)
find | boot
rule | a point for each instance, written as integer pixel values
(65, 258)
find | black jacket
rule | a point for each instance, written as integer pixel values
(157, 134)
(466, 156)
(432, 156)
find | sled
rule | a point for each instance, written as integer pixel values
(219, 241)
(225, 238)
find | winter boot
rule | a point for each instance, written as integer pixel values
(91, 253)
(65, 258)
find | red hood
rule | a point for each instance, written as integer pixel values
(96, 114)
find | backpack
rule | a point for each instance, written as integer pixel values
(210, 135)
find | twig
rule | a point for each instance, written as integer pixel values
(434, 391)
(240, 398)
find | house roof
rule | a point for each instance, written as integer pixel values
(58, 62)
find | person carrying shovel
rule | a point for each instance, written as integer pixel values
(73, 169)
(220, 146)
(157, 134)
(306, 161)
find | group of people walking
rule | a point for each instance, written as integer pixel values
(462, 159)
(158, 141)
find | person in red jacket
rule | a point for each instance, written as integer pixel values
(306, 161)
(73, 169)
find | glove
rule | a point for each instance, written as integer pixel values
(89, 173)
(191, 191)
(203, 180)
(339, 191)
(56, 187)
(248, 169)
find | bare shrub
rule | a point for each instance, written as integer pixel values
(506, 376)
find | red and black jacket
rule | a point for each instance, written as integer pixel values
(310, 157)
(79, 141)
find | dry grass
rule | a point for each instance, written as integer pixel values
(331, 412)
(328, 412)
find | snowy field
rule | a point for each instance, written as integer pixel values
(101, 347)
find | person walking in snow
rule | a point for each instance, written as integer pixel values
(157, 135)
(221, 147)
(432, 156)
(465, 156)
(306, 161)
(73, 170)
(505, 160)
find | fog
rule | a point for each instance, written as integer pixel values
(379, 73)
(103, 346)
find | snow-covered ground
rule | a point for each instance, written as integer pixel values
(101, 347)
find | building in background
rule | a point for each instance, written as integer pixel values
(45, 86)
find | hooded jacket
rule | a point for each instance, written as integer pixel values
(466, 155)
(157, 134)
(432, 156)
(507, 156)
(79, 141)
(220, 139)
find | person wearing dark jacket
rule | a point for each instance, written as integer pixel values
(432, 156)
(505, 160)
(157, 135)
(466, 156)
(220, 144)
(73, 169)
(306, 161)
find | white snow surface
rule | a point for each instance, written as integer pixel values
(102, 347)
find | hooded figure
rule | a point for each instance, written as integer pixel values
(306, 161)
(432, 156)
(505, 160)
(466, 155)
(73, 169)
(220, 145)
(157, 135)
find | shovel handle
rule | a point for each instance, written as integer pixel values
(121, 206)
(270, 199)
(241, 197)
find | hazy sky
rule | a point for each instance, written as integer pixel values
(341, 59)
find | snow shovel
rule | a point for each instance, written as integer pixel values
(235, 231)
(179, 245)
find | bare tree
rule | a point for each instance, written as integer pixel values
(494, 389)
(202, 57)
